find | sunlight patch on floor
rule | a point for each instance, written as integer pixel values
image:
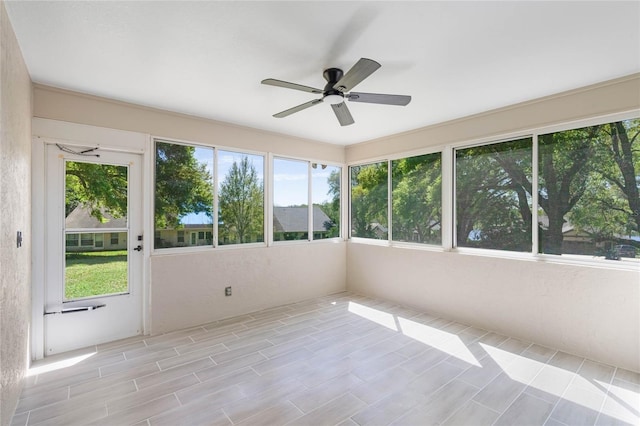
(446, 342)
(57, 365)
(579, 390)
(375, 315)
(436, 338)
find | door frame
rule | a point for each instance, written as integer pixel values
(47, 132)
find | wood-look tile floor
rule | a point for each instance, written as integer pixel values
(343, 359)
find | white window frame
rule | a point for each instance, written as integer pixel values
(310, 237)
(448, 194)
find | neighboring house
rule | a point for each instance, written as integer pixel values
(109, 237)
(576, 241)
(292, 223)
(289, 223)
(192, 234)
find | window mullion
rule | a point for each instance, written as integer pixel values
(535, 240)
(389, 203)
(448, 207)
(309, 203)
(216, 211)
(268, 200)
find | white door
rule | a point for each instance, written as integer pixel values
(94, 257)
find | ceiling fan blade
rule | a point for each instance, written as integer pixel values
(361, 70)
(297, 108)
(343, 114)
(287, 85)
(378, 98)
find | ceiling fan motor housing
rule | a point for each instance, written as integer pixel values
(331, 94)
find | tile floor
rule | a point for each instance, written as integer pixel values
(337, 360)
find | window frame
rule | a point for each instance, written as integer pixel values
(191, 248)
(265, 170)
(267, 201)
(445, 168)
(449, 200)
(534, 198)
(442, 210)
(310, 232)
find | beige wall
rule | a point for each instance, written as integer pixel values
(188, 289)
(586, 310)
(15, 202)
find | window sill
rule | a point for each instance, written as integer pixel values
(624, 264)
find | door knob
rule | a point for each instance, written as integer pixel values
(139, 248)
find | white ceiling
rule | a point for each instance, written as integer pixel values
(207, 58)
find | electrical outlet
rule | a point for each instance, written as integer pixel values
(227, 291)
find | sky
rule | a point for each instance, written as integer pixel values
(290, 178)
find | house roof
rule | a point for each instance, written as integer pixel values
(81, 217)
(455, 58)
(295, 219)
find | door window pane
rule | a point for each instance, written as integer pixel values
(588, 191)
(183, 192)
(325, 184)
(369, 201)
(493, 196)
(417, 199)
(290, 200)
(240, 198)
(95, 197)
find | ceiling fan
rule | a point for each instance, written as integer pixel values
(335, 91)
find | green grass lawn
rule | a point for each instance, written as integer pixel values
(95, 273)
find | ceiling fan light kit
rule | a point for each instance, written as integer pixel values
(338, 89)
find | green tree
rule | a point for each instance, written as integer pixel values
(492, 206)
(241, 198)
(608, 209)
(417, 199)
(332, 207)
(183, 185)
(565, 165)
(369, 200)
(101, 188)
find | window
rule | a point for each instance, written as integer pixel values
(586, 184)
(72, 240)
(183, 191)
(186, 196)
(99, 240)
(369, 201)
(417, 199)
(115, 240)
(325, 184)
(240, 198)
(86, 240)
(290, 200)
(493, 196)
(589, 181)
